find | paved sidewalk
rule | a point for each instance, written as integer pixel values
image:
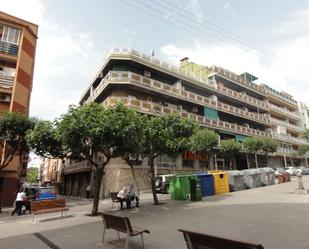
(273, 216)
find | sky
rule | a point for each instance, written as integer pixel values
(268, 39)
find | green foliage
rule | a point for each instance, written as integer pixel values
(253, 144)
(169, 134)
(229, 148)
(268, 145)
(32, 174)
(303, 149)
(305, 134)
(45, 141)
(13, 129)
(203, 141)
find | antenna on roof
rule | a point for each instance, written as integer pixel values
(152, 52)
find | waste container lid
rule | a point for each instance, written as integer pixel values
(266, 170)
(251, 171)
(235, 173)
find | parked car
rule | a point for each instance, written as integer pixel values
(279, 171)
(46, 193)
(291, 170)
(162, 183)
(303, 170)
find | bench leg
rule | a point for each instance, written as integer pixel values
(103, 236)
(118, 235)
(33, 218)
(127, 241)
(142, 237)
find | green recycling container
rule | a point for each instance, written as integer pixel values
(195, 189)
(180, 187)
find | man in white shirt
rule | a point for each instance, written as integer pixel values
(19, 202)
(123, 196)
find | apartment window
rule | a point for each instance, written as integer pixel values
(187, 163)
(10, 35)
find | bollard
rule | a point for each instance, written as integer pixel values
(300, 180)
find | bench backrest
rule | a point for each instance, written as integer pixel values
(203, 241)
(47, 204)
(117, 222)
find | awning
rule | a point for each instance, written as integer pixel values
(211, 113)
(240, 138)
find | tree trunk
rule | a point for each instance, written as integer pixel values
(1, 187)
(153, 181)
(97, 188)
(134, 178)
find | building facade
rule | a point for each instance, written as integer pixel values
(51, 173)
(232, 105)
(17, 54)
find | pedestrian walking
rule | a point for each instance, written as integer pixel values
(19, 202)
(88, 189)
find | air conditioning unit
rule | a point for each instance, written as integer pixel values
(5, 98)
(195, 110)
(147, 73)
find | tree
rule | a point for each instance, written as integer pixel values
(32, 174)
(165, 135)
(305, 134)
(203, 142)
(85, 133)
(229, 148)
(252, 146)
(13, 129)
(268, 145)
(303, 149)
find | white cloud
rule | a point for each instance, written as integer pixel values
(226, 6)
(65, 60)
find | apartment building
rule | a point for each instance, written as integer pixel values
(304, 111)
(17, 54)
(51, 173)
(232, 105)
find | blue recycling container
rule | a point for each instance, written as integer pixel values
(207, 183)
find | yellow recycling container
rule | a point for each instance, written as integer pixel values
(221, 180)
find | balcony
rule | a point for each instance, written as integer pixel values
(284, 98)
(284, 111)
(138, 80)
(81, 166)
(8, 48)
(157, 109)
(288, 138)
(286, 124)
(286, 151)
(238, 79)
(6, 81)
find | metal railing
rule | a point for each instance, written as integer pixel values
(289, 138)
(286, 151)
(8, 48)
(77, 167)
(157, 109)
(6, 81)
(143, 81)
(284, 111)
(234, 77)
(286, 124)
(175, 69)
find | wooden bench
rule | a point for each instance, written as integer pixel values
(122, 224)
(203, 241)
(48, 206)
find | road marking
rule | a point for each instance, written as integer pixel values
(46, 241)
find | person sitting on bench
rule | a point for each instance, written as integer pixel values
(133, 194)
(123, 196)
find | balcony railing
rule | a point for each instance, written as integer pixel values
(280, 95)
(284, 111)
(77, 167)
(157, 109)
(8, 48)
(286, 151)
(139, 80)
(286, 124)
(289, 138)
(234, 77)
(247, 99)
(6, 82)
